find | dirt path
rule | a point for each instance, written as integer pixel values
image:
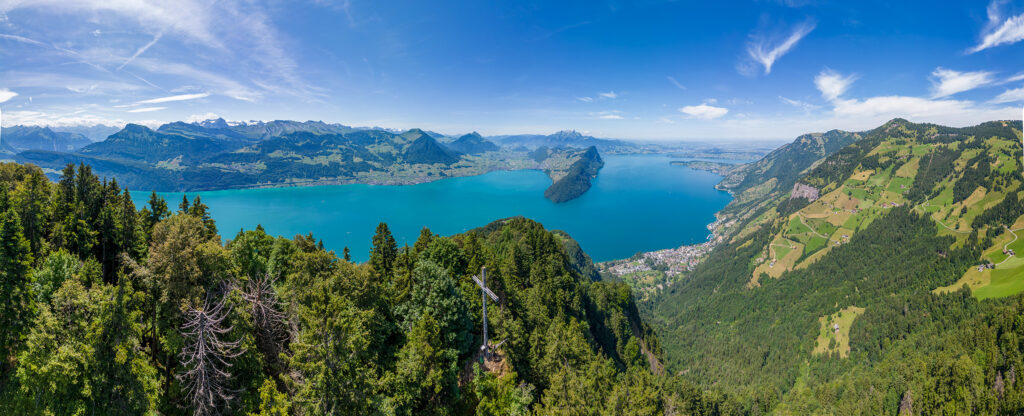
(811, 228)
(1008, 244)
(923, 207)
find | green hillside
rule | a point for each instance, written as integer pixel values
(846, 299)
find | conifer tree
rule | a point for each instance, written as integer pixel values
(384, 252)
(16, 307)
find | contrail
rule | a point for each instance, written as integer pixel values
(141, 50)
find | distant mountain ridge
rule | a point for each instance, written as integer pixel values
(472, 143)
(217, 154)
(21, 138)
(564, 138)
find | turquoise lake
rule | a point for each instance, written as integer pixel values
(637, 203)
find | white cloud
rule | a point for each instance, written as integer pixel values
(221, 84)
(1015, 78)
(704, 111)
(998, 31)
(1010, 96)
(766, 52)
(146, 109)
(609, 94)
(182, 97)
(833, 85)
(876, 110)
(38, 118)
(946, 82)
(195, 118)
(585, 99)
(6, 94)
(608, 115)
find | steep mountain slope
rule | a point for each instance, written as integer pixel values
(472, 143)
(22, 138)
(842, 295)
(425, 149)
(754, 185)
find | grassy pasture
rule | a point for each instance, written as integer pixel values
(830, 341)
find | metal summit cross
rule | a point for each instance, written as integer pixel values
(484, 293)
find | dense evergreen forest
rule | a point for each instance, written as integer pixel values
(112, 310)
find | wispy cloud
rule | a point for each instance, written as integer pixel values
(585, 99)
(6, 95)
(226, 32)
(146, 109)
(182, 97)
(999, 31)
(704, 111)
(801, 104)
(608, 95)
(1010, 96)
(833, 85)
(608, 115)
(946, 82)
(676, 83)
(765, 50)
(71, 118)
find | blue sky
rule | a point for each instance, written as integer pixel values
(642, 69)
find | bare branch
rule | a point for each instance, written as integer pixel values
(206, 357)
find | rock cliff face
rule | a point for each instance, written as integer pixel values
(802, 190)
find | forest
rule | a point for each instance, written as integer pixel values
(110, 309)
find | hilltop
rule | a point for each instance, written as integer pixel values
(860, 262)
(472, 143)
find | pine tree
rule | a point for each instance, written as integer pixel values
(384, 252)
(155, 212)
(17, 307)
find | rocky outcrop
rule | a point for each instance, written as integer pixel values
(803, 190)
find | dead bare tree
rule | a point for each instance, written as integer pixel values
(271, 323)
(206, 357)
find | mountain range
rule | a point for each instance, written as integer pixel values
(21, 138)
(216, 154)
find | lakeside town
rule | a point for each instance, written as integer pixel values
(651, 272)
